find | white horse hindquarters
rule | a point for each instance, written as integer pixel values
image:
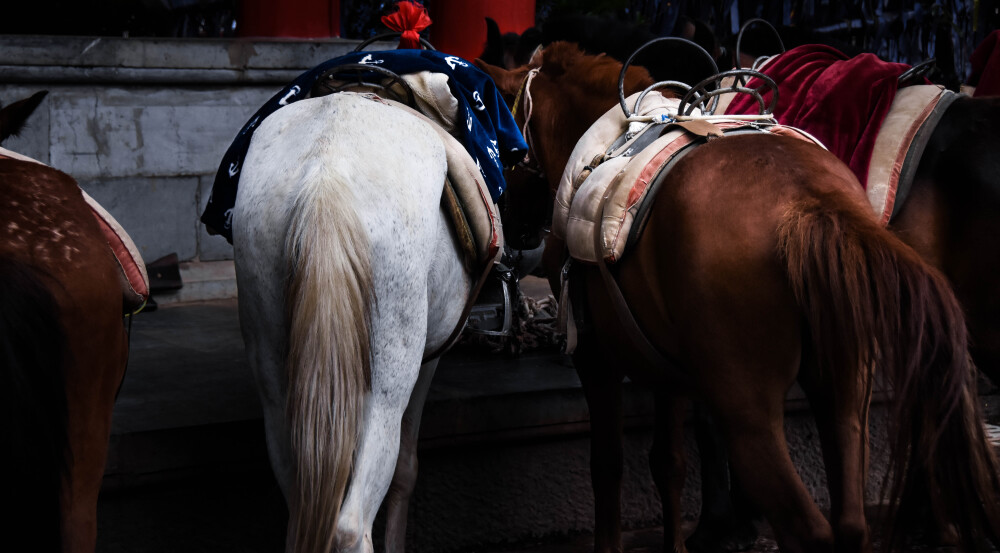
(268, 186)
(385, 170)
(421, 288)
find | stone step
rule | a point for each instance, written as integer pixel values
(202, 281)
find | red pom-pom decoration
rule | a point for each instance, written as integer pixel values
(410, 19)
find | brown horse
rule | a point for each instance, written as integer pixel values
(761, 264)
(952, 217)
(949, 216)
(63, 350)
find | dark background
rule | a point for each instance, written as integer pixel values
(908, 31)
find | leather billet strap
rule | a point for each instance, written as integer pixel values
(469, 303)
(625, 317)
(460, 223)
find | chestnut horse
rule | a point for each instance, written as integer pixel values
(950, 217)
(761, 264)
(63, 347)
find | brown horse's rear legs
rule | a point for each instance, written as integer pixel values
(752, 419)
(841, 411)
(667, 461)
(602, 388)
(726, 521)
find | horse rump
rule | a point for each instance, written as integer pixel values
(871, 301)
(33, 398)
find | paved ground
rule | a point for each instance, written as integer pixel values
(188, 385)
(221, 513)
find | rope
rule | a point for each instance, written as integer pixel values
(525, 92)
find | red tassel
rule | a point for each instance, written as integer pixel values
(409, 20)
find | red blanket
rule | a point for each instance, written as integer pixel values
(986, 66)
(839, 100)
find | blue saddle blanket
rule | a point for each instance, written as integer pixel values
(489, 133)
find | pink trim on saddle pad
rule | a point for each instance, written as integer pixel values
(655, 165)
(125, 252)
(609, 200)
(912, 109)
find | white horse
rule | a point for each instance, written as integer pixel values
(348, 279)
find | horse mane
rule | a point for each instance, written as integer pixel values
(591, 72)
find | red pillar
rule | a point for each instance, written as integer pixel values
(459, 26)
(289, 18)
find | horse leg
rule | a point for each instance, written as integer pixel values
(602, 388)
(92, 380)
(842, 421)
(405, 476)
(265, 344)
(745, 385)
(753, 421)
(395, 372)
(667, 462)
(726, 522)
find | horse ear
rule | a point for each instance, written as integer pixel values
(493, 52)
(536, 57)
(507, 81)
(13, 117)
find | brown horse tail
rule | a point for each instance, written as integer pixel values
(34, 412)
(330, 298)
(871, 301)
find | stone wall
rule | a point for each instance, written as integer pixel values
(142, 123)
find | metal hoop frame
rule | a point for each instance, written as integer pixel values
(354, 74)
(683, 88)
(699, 95)
(621, 76)
(747, 25)
(759, 61)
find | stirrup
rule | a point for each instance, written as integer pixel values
(492, 313)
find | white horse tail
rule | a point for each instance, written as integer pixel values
(330, 297)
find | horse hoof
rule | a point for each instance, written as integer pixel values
(722, 537)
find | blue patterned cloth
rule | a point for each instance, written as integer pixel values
(488, 133)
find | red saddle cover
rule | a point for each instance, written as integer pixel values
(841, 101)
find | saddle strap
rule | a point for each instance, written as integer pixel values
(911, 159)
(463, 232)
(625, 317)
(469, 303)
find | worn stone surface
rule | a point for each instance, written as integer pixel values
(33, 141)
(118, 132)
(169, 53)
(145, 146)
(147, 155)
(157, 212)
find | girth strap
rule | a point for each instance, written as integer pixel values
(625, 317)
(469, 303)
